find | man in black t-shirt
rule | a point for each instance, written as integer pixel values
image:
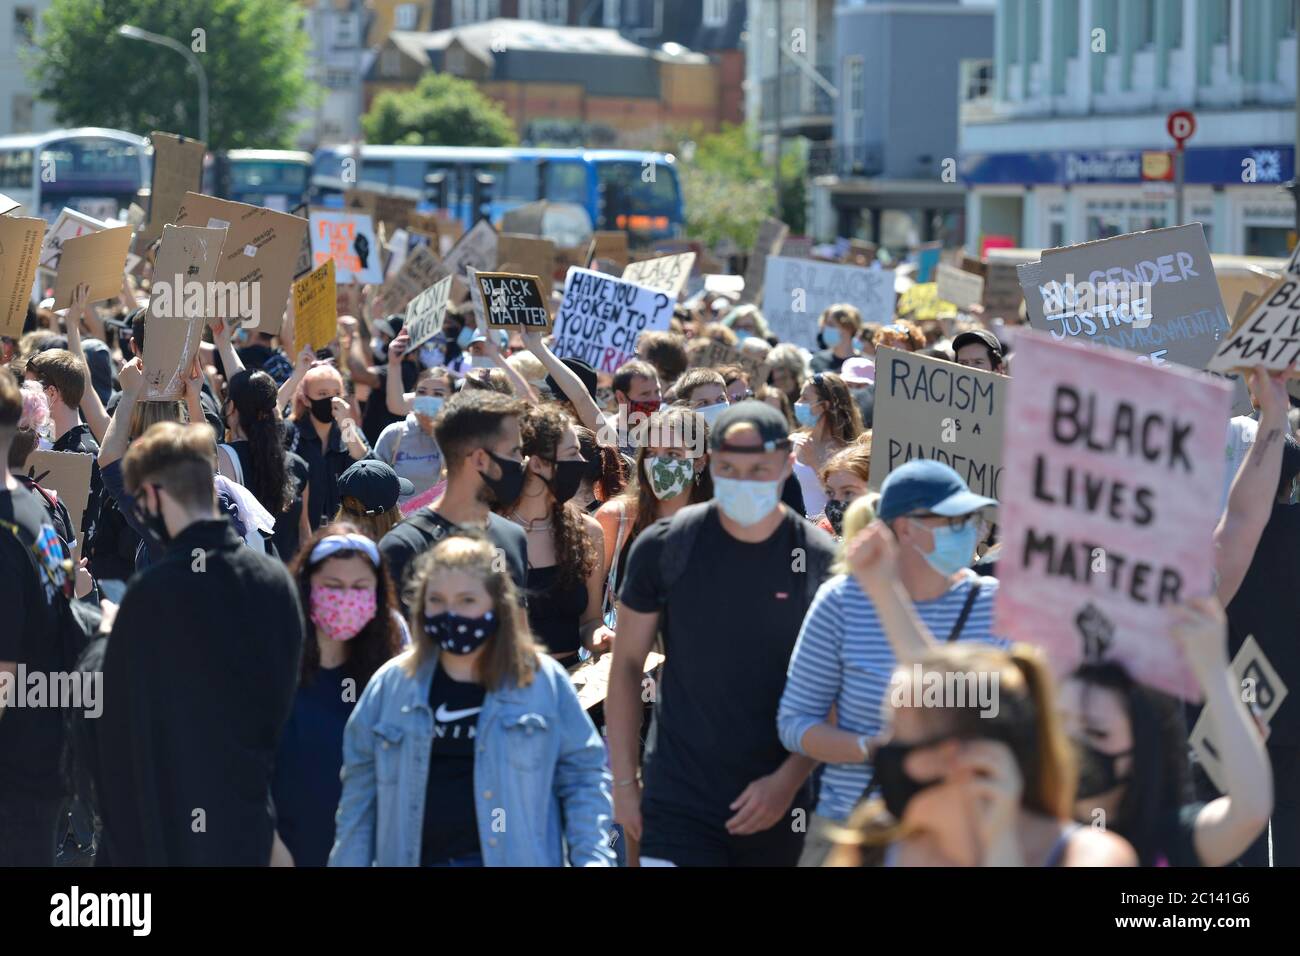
(478, 433)
(64, 379)
(31, 738)
(727, 584)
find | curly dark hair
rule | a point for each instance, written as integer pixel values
(844, 420)
(254, 396)
(606, 462)
(377, 642)
(541, 428)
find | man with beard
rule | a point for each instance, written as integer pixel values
(478, 433)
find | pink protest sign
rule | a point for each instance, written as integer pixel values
(1111, 470)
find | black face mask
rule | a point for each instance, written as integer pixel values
(888, 776)
(510, 485)
(1097, 773)
(322, 409)
(835, 515)
(566, 478)
(821, 342)
(153, 522)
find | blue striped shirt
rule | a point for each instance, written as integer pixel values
(842, 657)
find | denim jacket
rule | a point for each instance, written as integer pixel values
(540, 780)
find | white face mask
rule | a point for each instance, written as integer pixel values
(747, 502)
(710, 413)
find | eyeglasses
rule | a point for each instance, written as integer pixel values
(955, 522)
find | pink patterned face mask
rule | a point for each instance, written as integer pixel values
(341, 612)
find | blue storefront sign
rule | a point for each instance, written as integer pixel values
(1211, 165)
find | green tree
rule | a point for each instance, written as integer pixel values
(727, 188)
(254, 53)
(442, 110)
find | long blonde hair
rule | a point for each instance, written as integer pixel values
(510, 655)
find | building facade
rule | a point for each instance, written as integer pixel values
(20, 111)
(889, 173)
(338, 59)
(1063, 132)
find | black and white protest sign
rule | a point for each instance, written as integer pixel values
(601, 318)
(512, 301)
(424, 314)
(796, 291)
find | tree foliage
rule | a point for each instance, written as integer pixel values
(442, 110)
(254, 53)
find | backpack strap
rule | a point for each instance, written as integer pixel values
(610, 597)
(683, 529)
(234, 462)
(971, 596)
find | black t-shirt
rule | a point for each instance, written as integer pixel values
(450, 820)
(79, 439)
(31, 737)
(426, 528)
(376, 416)
(729, 624)
(325, 462)
(199, 680)
(1267, 605)
(826, 361)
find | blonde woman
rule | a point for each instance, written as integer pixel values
(471, 748)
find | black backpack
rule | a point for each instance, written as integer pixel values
(684, 528)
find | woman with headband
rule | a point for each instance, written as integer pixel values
(352, 629)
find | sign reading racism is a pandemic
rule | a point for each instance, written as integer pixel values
(795, 291)
(936, 410)
(1107, 469)
(601, 318)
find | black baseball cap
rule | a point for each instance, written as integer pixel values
(982, 336)
(770, 424)
(583, 370)
(374, 484)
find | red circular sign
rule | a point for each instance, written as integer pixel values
(1181, 125)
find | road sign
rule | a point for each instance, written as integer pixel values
(1181, 125)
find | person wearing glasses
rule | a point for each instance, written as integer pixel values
(737, 380)
(843, 659)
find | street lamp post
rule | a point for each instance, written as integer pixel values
(135, 33)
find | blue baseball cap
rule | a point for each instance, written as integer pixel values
(931, 486)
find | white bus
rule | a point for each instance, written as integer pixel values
(99, 172)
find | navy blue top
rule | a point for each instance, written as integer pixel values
(306, 785)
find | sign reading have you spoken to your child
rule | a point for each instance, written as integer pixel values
(512, 301)
(601, 318)
(940, 411)
(1107, 465)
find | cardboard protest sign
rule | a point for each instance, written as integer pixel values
(97, 258)
(1268, 333)
(927, 260)
(177, 170)
(666, 273)
(527, 255)
(477, 248)
(349, 239)
(963, 289)
(259, 255)
(797, 290)
(425, 313)
(730, 286)
(513, 301)
(1261, 688)
(8, 204)
(20, 250)
(315, 308)
(921, 303)
(612, 246)
(797, 247)
(182, 299)
(601, 318)
(70, 224)
(418, 272)
(771, 234)
(393, 211)
(1107, 468)
(1002, 294)
(303, 264)
(939, 411)
(67, 473)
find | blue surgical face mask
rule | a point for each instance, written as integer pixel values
(742, 334)
(746, 502)
(430, 355)
(831, 336)
(465, 336)
(427, 405)
(953, 548)
(710, 413)
(804, 414)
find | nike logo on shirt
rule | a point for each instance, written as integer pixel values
(445, 716)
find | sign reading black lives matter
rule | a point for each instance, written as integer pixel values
(1107, 468)
(939, 411)
(1269, 333)
(512, 301)
(1153, 293)
(425, 313)
(601, 318)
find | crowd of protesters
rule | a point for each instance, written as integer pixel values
(338, 601)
